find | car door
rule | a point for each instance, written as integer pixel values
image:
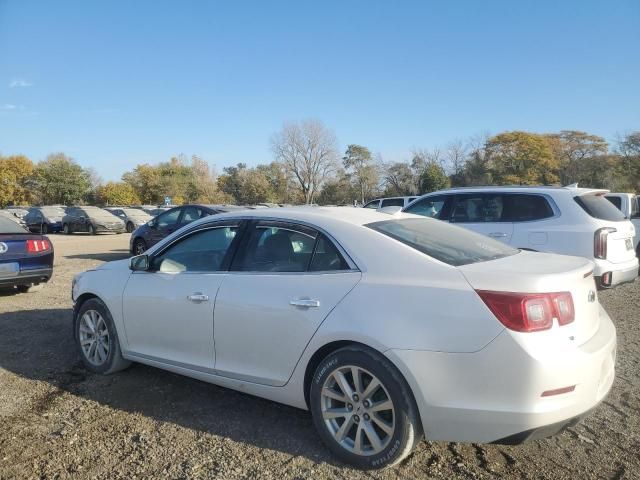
(165, 224)
(483, 213)
(82, 221)
(284, 281)
(168, 310)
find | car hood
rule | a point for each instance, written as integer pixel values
(115, 265)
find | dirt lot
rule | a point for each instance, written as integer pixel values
(59, 421)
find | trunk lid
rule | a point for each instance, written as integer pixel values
(534, 272)
(16, 245)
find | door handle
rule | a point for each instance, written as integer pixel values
(305, 302)
(497, 234)
(198, 298)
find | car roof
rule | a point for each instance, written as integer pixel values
(323, 217)
(571, 189)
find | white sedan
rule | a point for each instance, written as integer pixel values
(386, 327)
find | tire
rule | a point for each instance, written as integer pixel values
(30, 288)
(65, 229)
(139, 246)
(93, 355)
(91, 229)
(402, 427)
(44, 229)
(130, 227)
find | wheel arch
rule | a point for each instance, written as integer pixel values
(76, 308)
(329, 348)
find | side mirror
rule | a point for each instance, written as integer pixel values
(139, 263)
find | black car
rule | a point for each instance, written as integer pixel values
(26, 259)
(45, 219)
(92, 220)
(168, 222)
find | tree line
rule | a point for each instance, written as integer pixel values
(308, 167)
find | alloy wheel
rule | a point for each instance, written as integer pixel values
(357, 410)
(94, 337)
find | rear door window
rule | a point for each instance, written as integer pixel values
(169, 218)
(277, 248)
(526, 208)
(478, 208)
(190, 214)
(597, 206)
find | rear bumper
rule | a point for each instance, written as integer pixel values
(542, 432)
(100, 229)
(495, 394)
(619, 272)
(26, 277)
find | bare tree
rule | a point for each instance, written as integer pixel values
(309, 152)
(455, 156)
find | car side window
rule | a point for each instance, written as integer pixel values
(169, 218)
(428, 207)
(478, 208)
(277, 249)
(526, 208)
(392, 202)
(372, 204)
(202, 251)
(326, 257)
(190, 214)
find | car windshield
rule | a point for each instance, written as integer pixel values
(135, 213)
(95, 212)
(52, 212)
(596, 205)
(447, 243)
(9, 226)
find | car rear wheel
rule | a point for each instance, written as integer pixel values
(363, 409)
(92, 229)
(97, 338)
(139, 246)
(130, 227)
(44, 229)
(30, 288)
(65, 229)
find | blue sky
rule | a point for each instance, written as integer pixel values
(116, 83)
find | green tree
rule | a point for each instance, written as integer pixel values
(145, 181)
(119, 193)
(521, 158)
(59, 179)
(433, 178)
(358, 163)
(15, 175)
(340, 190)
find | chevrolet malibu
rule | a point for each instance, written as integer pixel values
(385, 327)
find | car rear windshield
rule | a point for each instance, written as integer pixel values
(447, 243)
(596, 205)
(9, 226)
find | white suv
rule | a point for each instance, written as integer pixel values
(566, 220)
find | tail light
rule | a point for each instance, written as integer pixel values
(529, 312)
(600, 242)
(38, 246)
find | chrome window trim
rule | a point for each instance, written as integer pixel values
(350, 262)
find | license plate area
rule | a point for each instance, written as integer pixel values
(9, 269)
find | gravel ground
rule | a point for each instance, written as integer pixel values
(59, 421)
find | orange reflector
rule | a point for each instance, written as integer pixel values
(558, 391)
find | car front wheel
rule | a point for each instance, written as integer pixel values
(92, 229)
(130, 227)
(97, 338)
(65, 229)
(363, 409)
